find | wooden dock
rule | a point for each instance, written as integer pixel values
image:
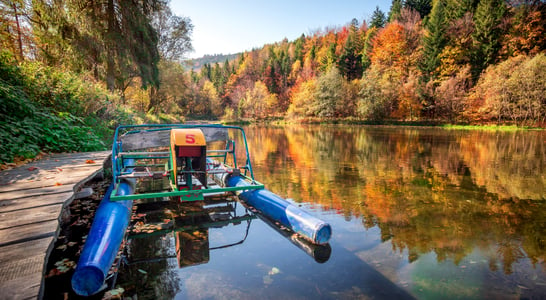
(32, 198)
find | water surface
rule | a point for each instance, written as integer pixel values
(415, 212)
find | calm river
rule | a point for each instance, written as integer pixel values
(415, 212)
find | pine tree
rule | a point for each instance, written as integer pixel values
(456, 9)
(378, 19)
(115, 36)
(350, 61)
(423, 7)
(396, 8)
(487, 34)
(434, 40)
(298, 45)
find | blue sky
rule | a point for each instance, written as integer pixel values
(232, 26)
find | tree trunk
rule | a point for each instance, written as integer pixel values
(154, 101)
(19, 38)
(110, 62)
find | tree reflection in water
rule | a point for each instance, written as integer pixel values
(428, 190)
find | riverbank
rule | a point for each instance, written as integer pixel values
(356, 122)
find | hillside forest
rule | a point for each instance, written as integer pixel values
(70, 71)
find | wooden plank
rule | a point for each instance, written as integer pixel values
(50, 179)
(28, 216)
(145, 139)
(28, 232)
(21, 271)
(36, 192)
(26, 287)
(14, 252)
(49, 164)
(22, 267)
(34, 201)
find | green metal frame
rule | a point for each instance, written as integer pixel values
(119, 168)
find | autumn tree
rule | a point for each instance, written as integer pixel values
(329, 94)
(372, 103)
(15, 32)
(513, 90)
(458, 51)
(527, 32)
(258, 102)
(303, 96)
(209, 92)
(174, 33)
(393, 63)
(327, 55)
(451, 95)
(174, 84)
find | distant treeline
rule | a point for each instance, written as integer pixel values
(209, 60)
(448, 60)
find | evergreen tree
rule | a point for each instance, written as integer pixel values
(298, 48)
(456, 9)
(378, 19)
(487, 33)
(206, 72)
(115, 36)
(217, 76)
(396, 8)
(434, 40)
(367, 47)
(350, 61)
(423, 7)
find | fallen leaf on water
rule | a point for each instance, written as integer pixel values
(89, 161)
(274, 271)
(32, 168)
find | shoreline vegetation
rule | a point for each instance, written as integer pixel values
(68, 77)
(437, 124)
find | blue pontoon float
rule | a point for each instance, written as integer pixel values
(195, 162)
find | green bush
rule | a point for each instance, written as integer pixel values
(40, 111)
